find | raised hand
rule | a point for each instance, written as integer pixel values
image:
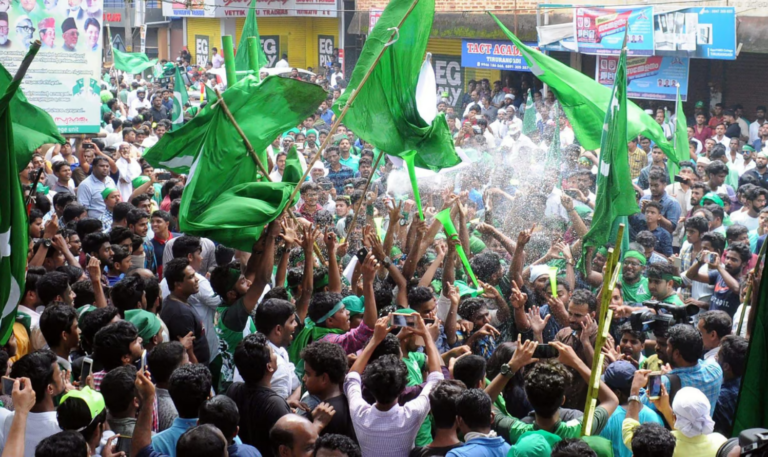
(369, 268)
(536, 322)
(523, 354)
(288, 232)
(525, 236)
(517, 299)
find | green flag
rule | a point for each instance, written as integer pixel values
(584, 100)
(396, 110)
(682, 151)
(222, 200)
(180, 100)
(132, 62)
(529, 118)
(13, 217)
(32, 127)
(615, 193)
(752, 405)
(250, 29)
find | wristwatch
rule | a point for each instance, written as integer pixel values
(386, 262)
(403, 222)
(506, 370)
(47, 243)
(634, 398)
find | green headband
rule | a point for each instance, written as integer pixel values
(106, 192)
(747, 147)
(714, 198)
(320, 284)
(602, 251)
(330, 313)
(139, 180)
(636, 255)
(233, 277)
(665, 277)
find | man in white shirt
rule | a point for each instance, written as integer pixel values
(499, 126)
(754, 128)
(720, 136)
(283, 63)
(217, 60)
(205, 301)
(139, 102)
(756, 200)
(42, 369)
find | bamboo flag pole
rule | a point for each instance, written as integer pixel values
(360, 202)
(605, 315)
(349, 103)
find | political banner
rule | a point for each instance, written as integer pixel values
(65, 77)
(706, 33)
(494, 55)
(239, 8)
(648, 78)
(601, 30)
(449, 76)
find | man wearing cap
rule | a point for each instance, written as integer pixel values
(47, 30)
(139, 102)
(748, 153)
(70, 34)
(618, 377)
(149, 327)
(499, 126)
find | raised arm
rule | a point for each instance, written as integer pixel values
(492, 232)
(334, 275)
(369, 268)
(523, 356)
(23, 401)
(307, 283)
(409, 267)
(568, 357)
(426, 280)
(452, 293)
(94, 272)
(449, 270)
(142, 431)
(380, 331)
(578, 224)
(515, 272)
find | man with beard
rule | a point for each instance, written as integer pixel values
(662, 280)
(580, 334)
(698, 190)
(634, 286)
(89, 191)
(239, 294)
(724, 276)
(694, 292)
(70, 34)
(47, 31)
(756, 200)
(761, 163)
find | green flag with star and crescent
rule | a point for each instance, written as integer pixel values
(13, 218)
(180, 100)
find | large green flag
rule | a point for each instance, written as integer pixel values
(584, 100)
(529, 117)
(222, 200)
(180, 100)
(615, 193)
(752, 405)
(13, 217)
(250, 29)
(553, 153)
(32, 127)
(396, 109)
(682, 151)
(132, 62)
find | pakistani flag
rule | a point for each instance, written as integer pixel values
(529, 118)
(13, 217)
(615, 194)
(396, 109)
(250, 29)
(180, 100)
(32, 127)
(132, 62)
(682, 151)
(584, 100)
(222, 200)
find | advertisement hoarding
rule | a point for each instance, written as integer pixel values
(649, 78)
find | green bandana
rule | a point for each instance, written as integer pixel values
(747, 148)
(355, 305)
(320, 284)
(636, 255)
(42, 189)
(714, 198)
(476, 245)
(602, 251)
(148, 324)
(107, 192)
(330, 313)
(233, 277)
(139, 180)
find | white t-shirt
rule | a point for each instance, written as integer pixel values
(743, 218)
(39, 427)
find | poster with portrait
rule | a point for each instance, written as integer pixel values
(64, 78)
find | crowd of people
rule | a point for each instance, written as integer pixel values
(353, 328)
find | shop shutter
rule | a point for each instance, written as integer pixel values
(210, 27)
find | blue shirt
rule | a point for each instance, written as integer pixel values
(327, 117)
(552, 327)
(726, 406)
(482, 447)
(165, 441)
(238, 449)
(705, 376)
(612, 430)
(663, 241)
(89, 195)
(338, 177)
(670, 209)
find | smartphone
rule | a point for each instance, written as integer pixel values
(85, 371)
(326, 185)
(545, 351)
(654, 385)
(402, 320)
(571, 193)
(429, 321)
(677, 261)
(362, 254)
(163, 176)
(88, 146)
(8, 385)
(143, 360)
(712, 257)
(679, 178)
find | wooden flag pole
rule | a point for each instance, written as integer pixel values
(349, 102)
(605, 315)
(356, 211)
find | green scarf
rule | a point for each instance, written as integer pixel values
(308, 334)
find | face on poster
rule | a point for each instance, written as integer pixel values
(649, 78)
(601, 30)
(64, 78)
(696, 32)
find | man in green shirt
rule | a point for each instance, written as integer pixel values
(240, 292)
(634, 286)
(662, 280)
(545, 387)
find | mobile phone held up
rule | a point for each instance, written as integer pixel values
(361, 254)
(86, 370)
(402, 320)
(545, 351)
(654, 385)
